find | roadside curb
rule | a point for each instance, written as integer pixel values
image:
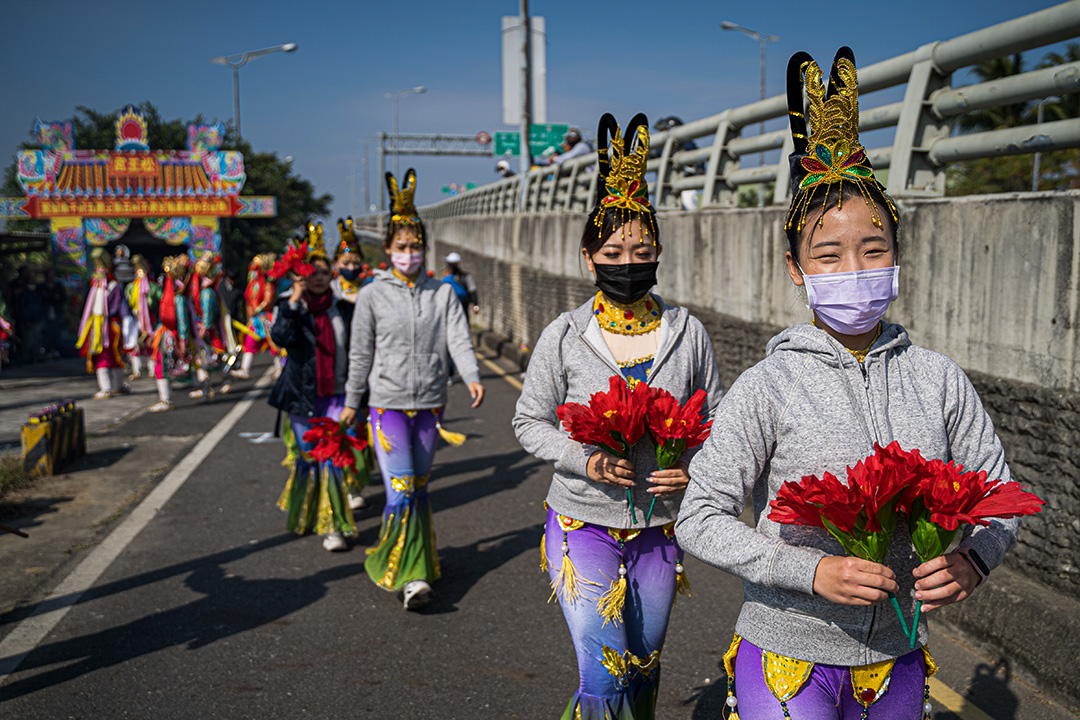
(503, 348)
(1036, 627)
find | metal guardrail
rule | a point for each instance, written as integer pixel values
(922, 145)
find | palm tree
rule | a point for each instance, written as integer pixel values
(1000, 117)
(1069, 105)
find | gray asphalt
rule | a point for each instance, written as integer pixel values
(214, 611)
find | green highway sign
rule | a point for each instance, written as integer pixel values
(541, 137)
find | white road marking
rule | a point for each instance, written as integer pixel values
(28, 634)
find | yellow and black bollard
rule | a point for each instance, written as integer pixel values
(52, 438)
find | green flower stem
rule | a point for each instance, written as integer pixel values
(630, 502)
(652, 504)
(915, 624)
(899, 614)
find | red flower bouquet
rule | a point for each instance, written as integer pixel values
(292, 261)
(613, 421)
(935, 497)
(674, 428)
(333, 444)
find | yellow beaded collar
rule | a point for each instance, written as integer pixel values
(634, 319)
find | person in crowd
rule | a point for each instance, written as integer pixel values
(348, 267)
(232, 296)
(310, 327)
(825, 394)
(572, 146)
(504, 170)
(614, 572)
(259, 299)
(172, 350)
(463, 284)
(210, 335)
(99, 339)
(143, 296)
(55, 298)
(12, 291)
(7, 333)
(405, 326)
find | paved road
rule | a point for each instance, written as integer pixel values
(214, 611)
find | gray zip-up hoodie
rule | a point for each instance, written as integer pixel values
(810, 407)
(570, 362)
(400, 339)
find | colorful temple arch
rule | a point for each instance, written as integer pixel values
(91, 197)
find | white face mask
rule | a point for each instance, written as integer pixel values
(407, 262)
(852, 303)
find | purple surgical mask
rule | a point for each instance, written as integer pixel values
(407, 263)
(852, 303)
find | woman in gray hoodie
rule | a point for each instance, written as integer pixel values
(404, 326)
(813, 638)
(613, 566)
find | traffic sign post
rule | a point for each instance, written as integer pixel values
(542, 138)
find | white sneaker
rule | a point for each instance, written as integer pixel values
(334, 542)
(241, 374)
(357, 502)
(134, 376)
(417, 594)
(161, 406)
(103, 394)
(201, 393)
(225, 389)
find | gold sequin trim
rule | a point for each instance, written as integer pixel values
(869, 682)
(784, 675)
(394, 561)
(623, 535)
(619, 666)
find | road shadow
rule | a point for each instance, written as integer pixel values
(25, 514)
(146, 578)
(504, 473)
(464, 565)
(710, 700)
(231, 605)
(989, 690)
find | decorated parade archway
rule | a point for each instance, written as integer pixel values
(91, 196)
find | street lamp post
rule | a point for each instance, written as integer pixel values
(240, 60)
(396, 96)
(763, 40)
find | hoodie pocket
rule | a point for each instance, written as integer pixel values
(393, 372)
(430, 371)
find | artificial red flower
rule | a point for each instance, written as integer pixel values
(613, 420)
(333, 443)
(292, 261)
(673, 427)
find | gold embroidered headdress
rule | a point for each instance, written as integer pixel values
(832, 153)
(176, 266)
(315, 246)
(402, 208)
(208, 265)
(622, 168)
(349, 242)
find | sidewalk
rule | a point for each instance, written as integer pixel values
(27, 388)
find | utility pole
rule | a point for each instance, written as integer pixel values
(526, 101)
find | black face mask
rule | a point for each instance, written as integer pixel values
(628, 283)
(350, 275)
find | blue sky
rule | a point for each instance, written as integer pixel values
(321, 104)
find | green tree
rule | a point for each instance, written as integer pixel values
(267, 174)
(1058, 168)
